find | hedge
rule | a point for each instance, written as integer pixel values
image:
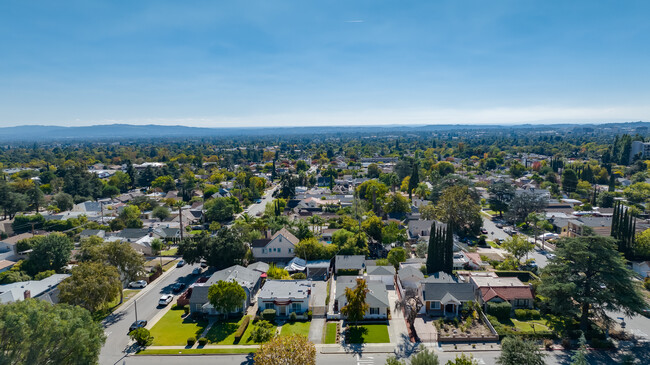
(203, 341)
(191, 341)
(527, 314)
(499, 310)
(242, 328)
(269, 314)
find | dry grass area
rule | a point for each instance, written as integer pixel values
(473, 328)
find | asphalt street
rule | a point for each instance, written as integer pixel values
(253, 209)
(116, 325)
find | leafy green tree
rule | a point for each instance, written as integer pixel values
(516, 351)
(286, 350)
(642, 244)
(373, 226)
(392, 360)
(35, 198)
(457, 207)
(396, 255)
(36, 332)
(221, 209)
(524, 204)
(463, 359)
(51, 252)
(165, 183)
(569, 180)
(160, 212)
(580, 356)
(141, 336)
(518, 246)
(587, 277)
(226, 297)
(428, 212)
(421, 249)
(63, 201)
(91, 285)
(356, 307)
(263, 331)
(501, 194)
(424, 357)
(397, 204)
(224, 249)
(391, 233)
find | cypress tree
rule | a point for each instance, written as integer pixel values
(431, 252)
(449, 250)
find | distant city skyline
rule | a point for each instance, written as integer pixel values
(291, 63)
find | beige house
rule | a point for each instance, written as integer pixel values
(278, 248)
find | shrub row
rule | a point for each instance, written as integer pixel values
(527, 314)
(499, 310)
(242, 328)
(269, 314)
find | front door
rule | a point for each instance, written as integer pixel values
(283, 310)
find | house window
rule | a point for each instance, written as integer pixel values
(435, 305)
(521, 303)
(374, 311)
(263, 250)
(279, 250)
(296, 307)
(289, 250)
(268, 306)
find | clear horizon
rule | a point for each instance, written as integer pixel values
(288, 63)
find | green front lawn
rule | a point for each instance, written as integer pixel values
(330, 333)
(296, 328)
(170, 252)
(532, 326)
(195, 351)
(223, 331)
(368, 333)
(174, 330)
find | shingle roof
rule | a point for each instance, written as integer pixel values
(285, 289)
(488, 293)
(286, 234)
(377, 294)
(436, 291)
(245, 277)
(380, 270)
(410, 273)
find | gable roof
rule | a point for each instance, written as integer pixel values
(133, 233)
(16, 291)
(489, 293)
(259, 266)
(377, 295)
(380, 270)
(245, 277)
(282, 289)
(437, 291)
(410, 273)
(286, 234)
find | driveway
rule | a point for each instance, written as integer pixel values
(425, 328)
(318, 296)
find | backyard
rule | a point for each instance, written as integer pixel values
(173, 329)
(367, 333)
(295, 328)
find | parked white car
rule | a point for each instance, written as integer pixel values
(165, 299)
(138, 284)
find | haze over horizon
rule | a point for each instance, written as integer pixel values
(288, 63)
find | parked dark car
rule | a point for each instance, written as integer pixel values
(178, 287)
(138, 324)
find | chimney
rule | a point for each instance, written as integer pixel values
(27, 294)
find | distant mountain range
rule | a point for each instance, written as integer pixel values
(41, 133)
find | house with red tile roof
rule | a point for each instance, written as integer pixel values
(492, 288)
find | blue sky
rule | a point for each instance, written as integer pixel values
(275, 62)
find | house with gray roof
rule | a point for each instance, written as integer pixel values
(376, 298)
(349, 263)
(385, 274)
(277, 248)
(248, 279)
(285, 297)
(409, 277)
(45, 289)
(87, 233)
(445, 295)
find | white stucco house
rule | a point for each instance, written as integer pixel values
(285, 297)
(384, 274)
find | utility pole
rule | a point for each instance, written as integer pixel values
(136, 309)
(180, 218)
(33, 223)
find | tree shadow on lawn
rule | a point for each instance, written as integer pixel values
(355, 335)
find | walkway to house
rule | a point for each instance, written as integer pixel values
(397, 325)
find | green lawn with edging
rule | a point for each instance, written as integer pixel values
(223, 331)
(195, 351)
(330, 333)
(170, 252)
(174, 330)
(367, 333)
(296, 328)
